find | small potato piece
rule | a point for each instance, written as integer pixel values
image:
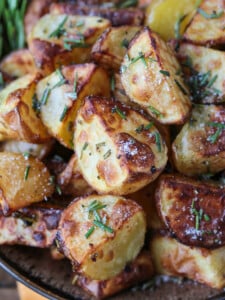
(18, 120)
(192, 210)
(150, 78)
(199, 148)
(18, 63)
(98, 251)
(210, 15)
(119, 150)
(141, 269)
(110, 48)
(56, 40)
(23, 181)
(65, 92)
(202, 265)
(206, 65)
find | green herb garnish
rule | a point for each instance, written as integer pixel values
(2, 83)
(26, 173)
(58, 190)
(125, 43)
(166, 73)
(181, 87)
(83, 149)
(126, 3)
(177, 26)
(155, 111)
(119, 112)
(99, 145)
(45, 96)
(107, 154)
(103, 226)
(89, 232)
(26, 155)
(73, 94)
(59, 31)
(141, 128)
(213, 15)
(70, 43)
(36, 105)
(214, 137)
(158, 141)
(65, 110)
(112, 82)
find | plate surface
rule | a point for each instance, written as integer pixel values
(36, 269)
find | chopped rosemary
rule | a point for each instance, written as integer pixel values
(214, 137)
(103, 226)
(95, 205)
(140, 128)
(45, 96)
(65, 110)
(125, 43)
(155, 111)
(112, 82)
(73, 94)
(26, 155)
(99, 145)
(166, 73)
(206, 217)
(70, 43)
(126, 3)
(26, 173)
(158, 141)
(139, 57)
(36, 105)
(89, 232)
(83, 149)
(213, 15)
(119, 112)
(181, 87)
(107, 154)
(58, 190)
(61, 81)
(177, 26)
(59, 31)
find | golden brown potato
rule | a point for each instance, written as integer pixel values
(207, 26)
(199, 147)
(18, 63)
(101, 234)
(202, 265)
(139, 270)
(119, 149)
(110, 48)
(204, 72)
(24, 180)
(18, 117)
(61, 94)
(150, 78)
(58, 40)
(117, 90)
(34, 226)
(192, 210)
(71, 180)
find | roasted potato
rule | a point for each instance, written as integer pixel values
(24, 180)
(202, 265)
(110, 48)
(204, 72)
(101, 234)
(207, 25)
(34, 226)
(199, 147)
(61, 94)
(18, 63)
(60, 40)
(139, 270)
(117, 90)
(150, 78)
(119, 150)
(192, 210)
(18, 117)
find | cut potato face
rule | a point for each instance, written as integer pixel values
(192, 210)
(150, 79)
(18, 119)
(24, 180)
(61, 94)
(57, 40)
(101, 234)
(199, 147)
(119, 150)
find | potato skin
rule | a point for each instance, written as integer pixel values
(196, 150)
(102, 255)
(23, 181)
(115, 153)
(192, 210)
(150, 78)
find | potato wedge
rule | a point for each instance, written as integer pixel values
(119, 150)
(18, 63)
(18, 118)
(110, 48)
(56, 40)
(101, 234)
(24, 180)
(210, 15)
(192, 210)
(202, 265)
(150, 78)
(199, 147)
(61, 94)
(204, 72)
(117, 90)
(139, 270)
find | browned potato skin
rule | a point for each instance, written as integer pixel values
(118, 17)
(214, 35)
(193, 152)
(18, 190)
(108, 50)
(139, 270)
(18, 63)
(34, 226)
(178, 198)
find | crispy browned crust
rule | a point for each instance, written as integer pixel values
(193, 211)
(138, 271)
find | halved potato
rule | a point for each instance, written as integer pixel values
(199, 148)
(58, 40)
(24, 180)
(119, 149)
(150, 78)
(18, 116)
(101, 234)
(192, 210)
(61, 94)
(207, 26)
